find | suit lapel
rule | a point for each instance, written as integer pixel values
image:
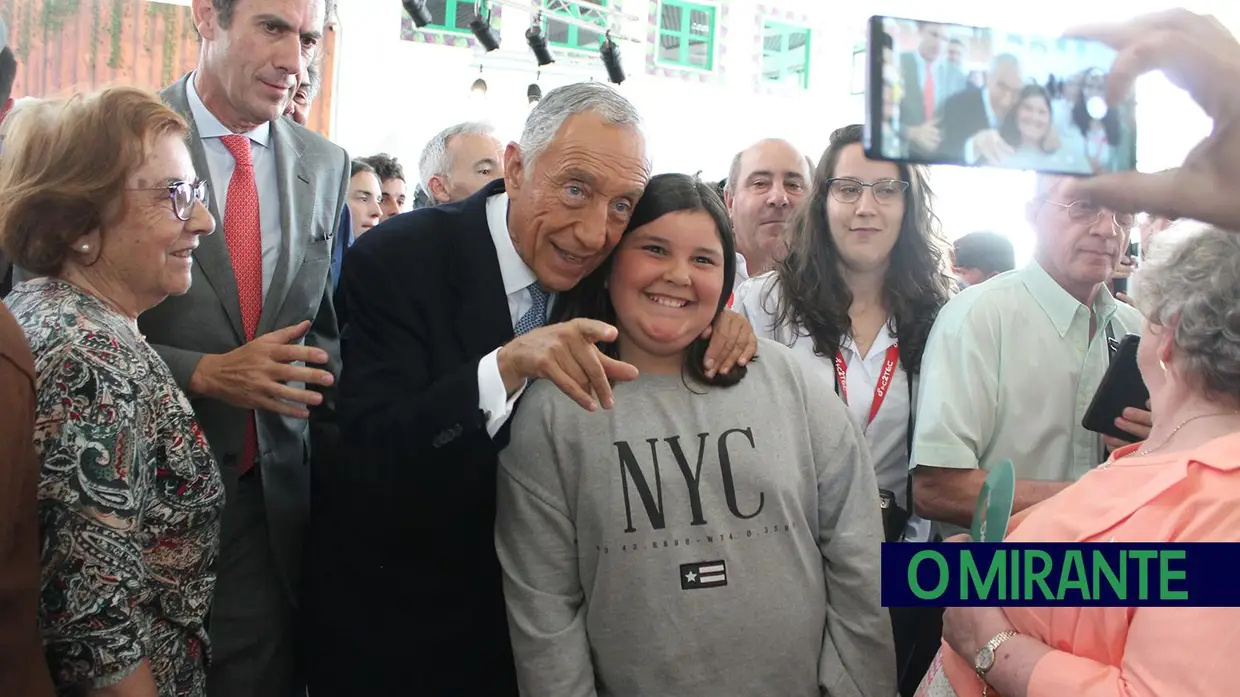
(296, 212)
(211, 257)
(484, 322)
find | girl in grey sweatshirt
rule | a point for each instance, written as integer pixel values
(707, 536)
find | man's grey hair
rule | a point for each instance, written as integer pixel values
(1003, 59)
(434, 160)
(1191, 279)
(559, 104)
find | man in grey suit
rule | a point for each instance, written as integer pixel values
(244, 342)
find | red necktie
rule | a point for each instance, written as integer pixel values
(927, 92)
(243, 234)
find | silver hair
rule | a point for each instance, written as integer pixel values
(1191, 279)
(434, 160)
(1002, 59)
(559, 104)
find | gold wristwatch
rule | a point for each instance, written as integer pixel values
(985, 658)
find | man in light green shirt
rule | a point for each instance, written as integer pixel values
(1012, 365)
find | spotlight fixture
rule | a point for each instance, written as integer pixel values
(611, 59)
(479, 87)
(418, 12)
(538, 43)
(534, 92)
(482, 29)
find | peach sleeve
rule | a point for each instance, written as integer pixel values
(1168, 651)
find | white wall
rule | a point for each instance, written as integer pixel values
(393, 95)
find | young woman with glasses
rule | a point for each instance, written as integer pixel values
(854, 298)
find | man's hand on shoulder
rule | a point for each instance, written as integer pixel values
(732, 343)
(565, 353)
(254, 376)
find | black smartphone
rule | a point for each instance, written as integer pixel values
(975, 96)
(1121, 387)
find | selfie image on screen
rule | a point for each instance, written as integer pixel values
(983, 97)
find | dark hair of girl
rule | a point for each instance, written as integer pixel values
(814, 298)
(1010, 130)
(665, 194)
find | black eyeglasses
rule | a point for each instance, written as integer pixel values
(1086, 212)
(848, 190)
(183, 195)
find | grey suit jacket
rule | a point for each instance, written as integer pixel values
(313, 178)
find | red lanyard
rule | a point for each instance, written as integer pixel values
(884, 379)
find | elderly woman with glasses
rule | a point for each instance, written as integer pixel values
(1180, 485)
(101, 201)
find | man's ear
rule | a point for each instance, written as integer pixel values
(514, 168)
(205, 17)
(439, 191)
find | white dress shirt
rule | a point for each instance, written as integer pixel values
(220, 164)
(887, 436)
(493, 399)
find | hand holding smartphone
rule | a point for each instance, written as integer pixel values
(1122, 387)
(973, 96)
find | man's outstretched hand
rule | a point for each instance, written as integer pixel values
(565, 353)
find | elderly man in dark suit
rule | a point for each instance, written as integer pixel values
(971, 119)
(258, 312)
(448, 310)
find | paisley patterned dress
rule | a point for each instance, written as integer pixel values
(129, 499)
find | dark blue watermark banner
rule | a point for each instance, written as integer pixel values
(1109, 574)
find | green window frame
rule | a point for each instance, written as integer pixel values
(445, 15)
(678, 33)
(785, 53)
(574, 37)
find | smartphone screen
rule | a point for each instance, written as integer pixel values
(976, 96)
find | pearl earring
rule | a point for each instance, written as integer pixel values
(84, 248)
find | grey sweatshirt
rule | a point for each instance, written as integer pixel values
(724, 543)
